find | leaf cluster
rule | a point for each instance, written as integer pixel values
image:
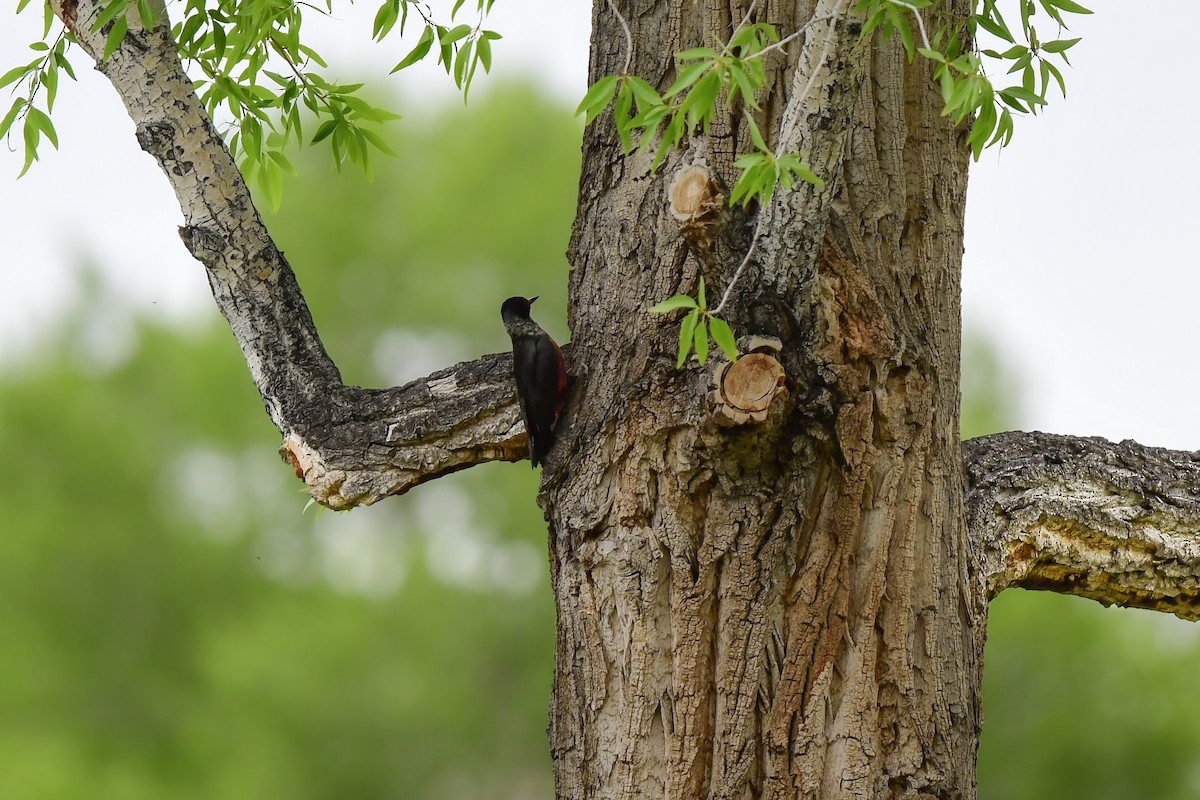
(460, 49)
(257, 71)
(259, 78)
(762, 171)
(38, 81)
(697, 326)
(705, 80)
(962, 74)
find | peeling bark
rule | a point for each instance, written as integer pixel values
(1115, 522)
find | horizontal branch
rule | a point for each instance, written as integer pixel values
(373, 443)
(351, 446)
(1115, 522)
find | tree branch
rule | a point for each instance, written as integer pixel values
(380, 442)
(1118, 523)
(351, 446)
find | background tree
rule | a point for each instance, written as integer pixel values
(207, 242)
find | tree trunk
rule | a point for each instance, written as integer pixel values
(785, 609)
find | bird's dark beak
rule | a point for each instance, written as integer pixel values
(535, 297)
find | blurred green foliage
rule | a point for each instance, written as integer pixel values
(1090, 703)
(174, 626)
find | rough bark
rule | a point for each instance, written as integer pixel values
(785, 610)
(1118, 523)
(789, 608)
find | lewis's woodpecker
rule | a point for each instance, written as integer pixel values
(540, 373)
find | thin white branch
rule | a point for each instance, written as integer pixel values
(628, 37)
(790, 37)
(920, 22)
(758, 229)
(745, 19)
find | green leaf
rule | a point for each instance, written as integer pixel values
(700, 301)
(365, 110)
(280, 159)
(621, 115)
(687, 77)
(701, 340)
(700, 103)
(324, 131)
(1050, 69)
(756, 169)
(460, 63)
(454, 34)
(385, 18)
(191, 26)
(597, 98)
(50, 81)
(906, 37)
(484, 48)
(110, 12)
(43, 124)
(115, 37)
(1060, 45)
(742, 84)
(672, 303)
(672, 134)
(995, 26)
(1021, 93)
(32, 136)
(803, 172)
(270, 182)
(218, 42)
(984, 125)
(756, 135)
(11, 116)
(418, 52)
(376, 140)
(64, 65)
(686, 330)
(722, 334)
(643, 92)
(14, 74)
(1069, 7)
(697, 52)
(147, 14)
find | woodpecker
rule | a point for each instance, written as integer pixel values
(540, 373)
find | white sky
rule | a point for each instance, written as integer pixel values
(1079, 261)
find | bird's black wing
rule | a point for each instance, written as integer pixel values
(542, 403)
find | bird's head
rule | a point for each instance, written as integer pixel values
(516, 308)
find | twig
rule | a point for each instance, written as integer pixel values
(628, 37)
(745, 19)
(785, 40)
(920, 22)
(758, 228)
